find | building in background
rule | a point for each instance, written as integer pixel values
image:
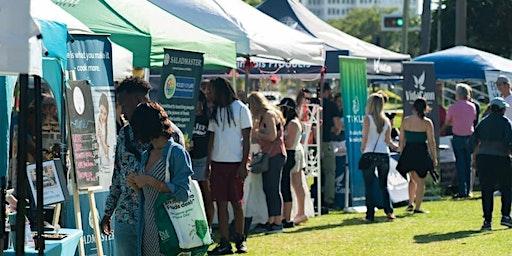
(336, 9)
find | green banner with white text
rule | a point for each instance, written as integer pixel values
(354, 92)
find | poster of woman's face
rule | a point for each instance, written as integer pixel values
(104, 115)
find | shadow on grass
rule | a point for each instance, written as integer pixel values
(436, 237)
(356, 221)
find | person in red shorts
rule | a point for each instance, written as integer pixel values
(228, 151)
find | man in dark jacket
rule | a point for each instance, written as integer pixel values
(492, 143)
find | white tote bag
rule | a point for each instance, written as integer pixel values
(189, 217)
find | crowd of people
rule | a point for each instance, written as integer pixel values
(228, 131)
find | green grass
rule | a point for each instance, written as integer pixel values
(451, 228)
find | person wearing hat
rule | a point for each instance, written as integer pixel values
(491, 144)
(503, 85)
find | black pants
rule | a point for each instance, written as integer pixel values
(494, 171)
(272, 185)
(285, 179)
(381, 162)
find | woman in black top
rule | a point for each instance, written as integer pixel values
(492, 144)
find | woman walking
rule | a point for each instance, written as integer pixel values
(269, 134)
(151, 124)
(492, 144)
(294, 162)
(419, 155)
(375, 143)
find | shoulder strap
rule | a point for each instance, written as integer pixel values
(376, 142)
(378, 138)
(167, 163)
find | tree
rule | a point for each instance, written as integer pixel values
(253, 2)
(365, 24)
(488, 26)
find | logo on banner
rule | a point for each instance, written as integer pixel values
(378, 67)
(167, 59)
(91, 220)
(170, 86)
(78, 100)
(418, 90)
(355, 105)
(419, 81)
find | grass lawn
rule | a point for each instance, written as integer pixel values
(451, 228)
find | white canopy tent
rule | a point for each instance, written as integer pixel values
(255, 33)
(47, 10)
(19, 46)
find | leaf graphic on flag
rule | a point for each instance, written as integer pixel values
(422, 81)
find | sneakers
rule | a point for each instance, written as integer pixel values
(410, 208)
(419, 211)
(288, 224)
(506, 221)
(274, 228)
(223, 248)
(241, 244)
(486, 226)
(261, 228)
(390, 217)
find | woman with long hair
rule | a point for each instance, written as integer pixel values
(102, 130)
(419, 154)
(375, 143)
(294, 162)
(269, 134)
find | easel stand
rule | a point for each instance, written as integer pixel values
(78, 217)
(312, 150)
(96, 224)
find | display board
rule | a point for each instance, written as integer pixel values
(83, 133)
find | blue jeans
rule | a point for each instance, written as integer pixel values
(381, 162)
(126, 238)
(462, 153)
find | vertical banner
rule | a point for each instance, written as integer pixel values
(181, 77)
(354, 91)
(90, 58)
(420, 82)
(490, 80)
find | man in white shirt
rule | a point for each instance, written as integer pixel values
(228, 152)
(503, 84)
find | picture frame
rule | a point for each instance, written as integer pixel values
(53, 182)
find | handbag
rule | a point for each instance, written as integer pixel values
(182, 226)
(259, 162)
(364, 161)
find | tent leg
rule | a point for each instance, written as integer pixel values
(21, 174)
(39, 165)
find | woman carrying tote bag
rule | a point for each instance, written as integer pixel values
(165, 172)
(375, 142)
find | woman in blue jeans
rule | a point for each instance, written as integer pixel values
(375, 142)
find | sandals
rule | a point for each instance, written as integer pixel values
(300, 219)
